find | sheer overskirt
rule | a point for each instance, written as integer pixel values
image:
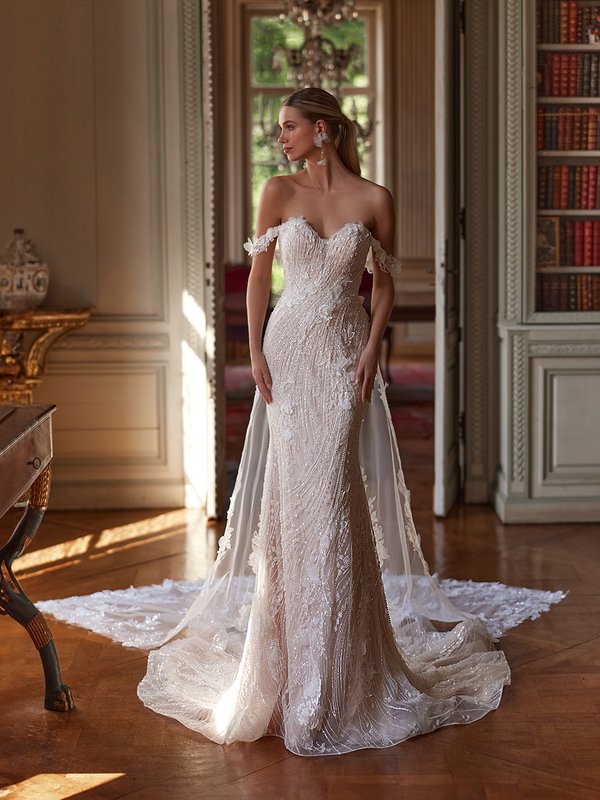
(291, 634)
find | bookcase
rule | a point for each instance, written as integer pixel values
(566, 246)
(549, 261)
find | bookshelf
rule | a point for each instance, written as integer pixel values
(565, 248)
(549, 262)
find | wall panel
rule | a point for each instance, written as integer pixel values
(90, 166)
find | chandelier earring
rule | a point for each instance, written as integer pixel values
(319, 140)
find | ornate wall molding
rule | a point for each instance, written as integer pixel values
(565, 349)
(139, 341)
(518, 396)
(512, 158)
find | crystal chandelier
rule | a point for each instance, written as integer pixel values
(318, 61)
(324, 12)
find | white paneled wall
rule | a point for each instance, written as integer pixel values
(89, 165)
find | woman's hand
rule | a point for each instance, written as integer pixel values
(262, 375)
(366, 371)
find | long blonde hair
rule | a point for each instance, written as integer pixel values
(314, 104)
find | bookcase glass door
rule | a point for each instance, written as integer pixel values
(567, 147)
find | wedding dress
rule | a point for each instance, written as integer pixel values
(319, 621)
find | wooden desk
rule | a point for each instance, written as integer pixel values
(25, 455)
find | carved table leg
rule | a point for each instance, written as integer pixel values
(15, 603)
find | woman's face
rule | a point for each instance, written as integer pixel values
(297, 132)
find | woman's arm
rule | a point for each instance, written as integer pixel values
(382, 296)
(259, 287)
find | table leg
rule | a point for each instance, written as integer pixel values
(15, 603)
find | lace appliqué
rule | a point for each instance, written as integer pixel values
(253, 557)
(385, 261)
(382, 551)
(261, 243)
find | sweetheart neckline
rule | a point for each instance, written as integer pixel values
(301, 218)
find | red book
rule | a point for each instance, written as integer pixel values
(592, 131)
(563, 87)
(596, 245)
(593, 186)
(572, 22)
(564, 186)
(578, 250)
(572, 75)
(587, 242)
(577, 128)
(564, 21)
(555, 75)
(583, 198)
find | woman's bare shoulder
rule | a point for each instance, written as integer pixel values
(280, 186)
(274, 195)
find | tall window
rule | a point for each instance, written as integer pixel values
(268, 86)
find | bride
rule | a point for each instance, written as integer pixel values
(319, 621)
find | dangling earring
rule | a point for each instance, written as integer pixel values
(319, 140)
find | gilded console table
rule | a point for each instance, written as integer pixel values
(25, 339)
(25, 455)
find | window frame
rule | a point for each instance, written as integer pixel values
(372, 11)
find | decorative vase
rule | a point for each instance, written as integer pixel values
(23, 277)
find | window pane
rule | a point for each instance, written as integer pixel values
(272, 36)
(352, 33)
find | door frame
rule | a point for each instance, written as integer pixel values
(481, 267)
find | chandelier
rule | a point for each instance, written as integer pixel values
(318, 62)
(323, 12)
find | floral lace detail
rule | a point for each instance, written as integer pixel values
(253, 557)
(225, 541)
(344, 368)
(385, 261)
(261, 243)
(382, 551)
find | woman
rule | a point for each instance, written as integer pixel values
(310, 649)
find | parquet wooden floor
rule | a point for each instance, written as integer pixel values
(541, 744)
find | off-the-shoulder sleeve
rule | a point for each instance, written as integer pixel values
(261, 243)
(385, 261)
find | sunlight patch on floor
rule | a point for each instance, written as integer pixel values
(180, 518)
(47, 786)
(188, 523)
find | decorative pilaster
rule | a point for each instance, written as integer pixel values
(203, 270)
(518, 413)
(512, 166)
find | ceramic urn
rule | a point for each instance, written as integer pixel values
(23, 277)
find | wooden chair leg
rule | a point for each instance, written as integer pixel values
(15, 603)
